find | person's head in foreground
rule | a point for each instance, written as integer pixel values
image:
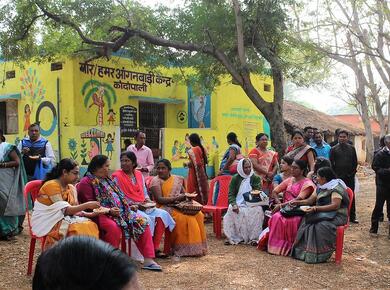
(82, 262)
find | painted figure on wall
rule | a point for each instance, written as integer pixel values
(94, 149)
(198, 106)
(102, 95)
(109, 141)
(27, 122)
(215, 143)
(97, 100)
(111, 117)
(175, 151)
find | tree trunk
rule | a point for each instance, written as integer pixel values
(276, 120)
(361, 97)
(388, 114)
(369, 136)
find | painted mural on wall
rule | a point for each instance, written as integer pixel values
(96, 139)
(177, 151)
(199, 108)
(109, 144)
(34, 93)
(100, 95)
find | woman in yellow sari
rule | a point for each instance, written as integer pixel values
(189, 236)
(56, 210)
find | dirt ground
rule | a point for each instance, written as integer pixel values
(365, 264)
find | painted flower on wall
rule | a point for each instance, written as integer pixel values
(72, 144)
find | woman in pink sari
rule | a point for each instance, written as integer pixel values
(197, 177)
(283, 230)
(265, 162)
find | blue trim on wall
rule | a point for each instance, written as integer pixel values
(184, 171)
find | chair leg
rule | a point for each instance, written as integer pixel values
(31, 256)
(167, 242)
(218, 219)
(214, 222)
(339, 244)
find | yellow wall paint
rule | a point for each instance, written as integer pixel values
(231, 109)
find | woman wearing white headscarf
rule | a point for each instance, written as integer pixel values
(243, 222)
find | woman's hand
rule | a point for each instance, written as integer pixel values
(310, 209)
(235, 208)
(91, 204)
(114, 211)
(134, 207)
(295, 202)
(277, 207)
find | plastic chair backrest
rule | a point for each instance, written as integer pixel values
(31, 189)
(223, 190)
(350, 195)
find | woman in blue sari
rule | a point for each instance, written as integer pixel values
(231, 157)
(12, 180)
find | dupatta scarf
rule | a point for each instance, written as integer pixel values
(109, 195)
(135, 192)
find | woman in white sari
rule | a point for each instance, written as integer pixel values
(243, 221)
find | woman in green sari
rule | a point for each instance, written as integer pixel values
(12, 180)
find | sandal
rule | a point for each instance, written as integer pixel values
(153, 267)
(227, 243)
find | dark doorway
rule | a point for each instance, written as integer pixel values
(151, 120)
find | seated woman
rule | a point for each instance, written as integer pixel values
(243, 222)
(320, 162)
(283, 230)
(97, 185)
(189, 236)
(56, 212)
(316, 238)
(132, 184)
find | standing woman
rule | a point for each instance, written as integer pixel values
(229, 160)
(12, 180)
(283, 230)
(243, 222)
(299, 150)
(265, 162)
(97, 185)
(56, 212)
(197, 176)
(132, 184)
(189, 236)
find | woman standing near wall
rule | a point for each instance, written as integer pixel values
(197, 176)
(231, 157)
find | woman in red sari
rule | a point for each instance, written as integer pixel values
(299, 150)
(265, 162)
(197, 176)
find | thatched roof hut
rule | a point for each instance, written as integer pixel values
(297, 116)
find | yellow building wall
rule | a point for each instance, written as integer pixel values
(37, 85)
(78, 108)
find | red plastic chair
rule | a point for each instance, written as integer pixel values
(32, 189)
(221, 204)
(340, 231)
